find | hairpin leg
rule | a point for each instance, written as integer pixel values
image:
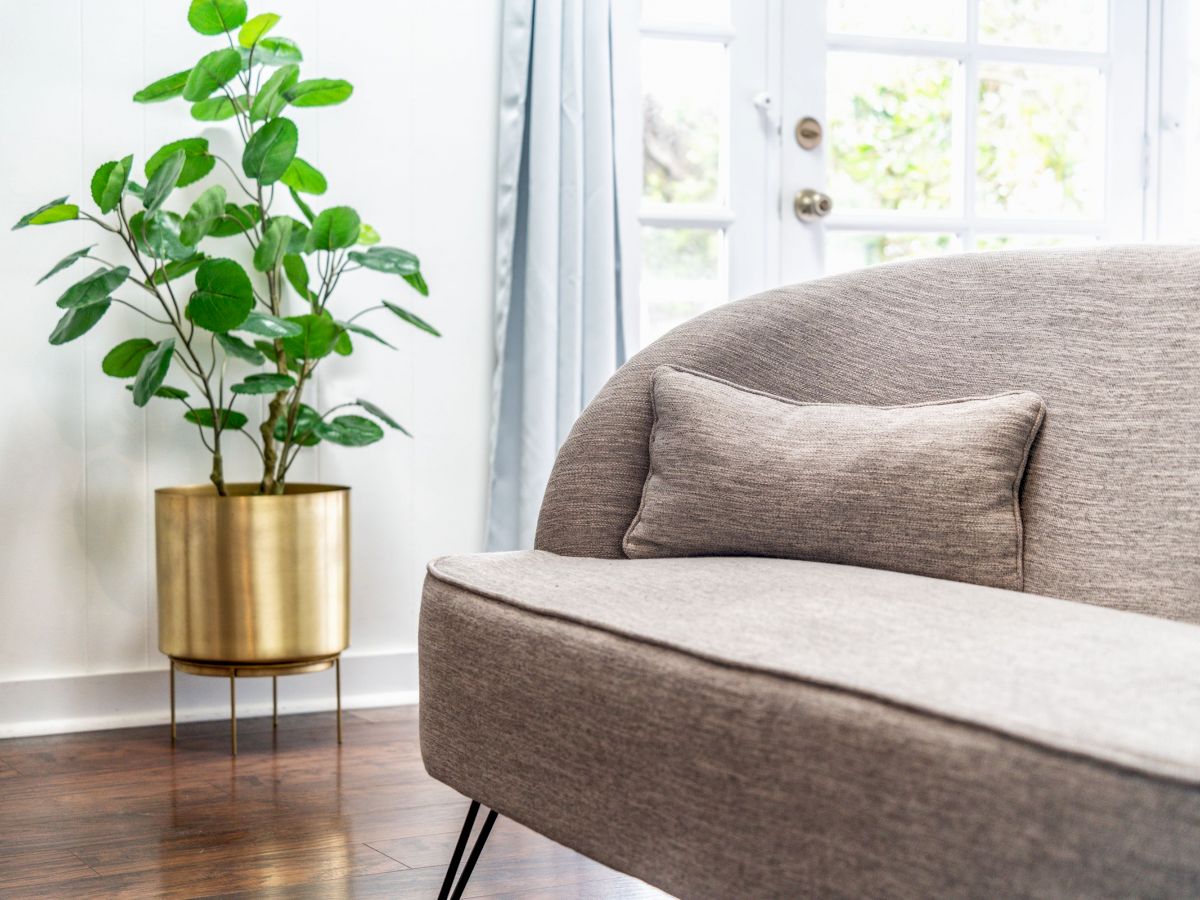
(172, 701)
(476, 850)
(274, 701)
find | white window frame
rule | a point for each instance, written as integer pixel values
(764, 245)
(749, 236)
(1122, 64)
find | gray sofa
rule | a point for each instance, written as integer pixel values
(753, 727)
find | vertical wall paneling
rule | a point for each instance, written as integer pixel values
(117, 593)
(43, 551)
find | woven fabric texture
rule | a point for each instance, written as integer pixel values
(930, 489)
(1108, 337)
(747, 727)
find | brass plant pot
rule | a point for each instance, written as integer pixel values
(249, 580)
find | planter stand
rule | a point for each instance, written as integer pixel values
(272, 670)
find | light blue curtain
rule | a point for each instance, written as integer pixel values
(559, 332)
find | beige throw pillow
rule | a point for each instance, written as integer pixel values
(932, 488)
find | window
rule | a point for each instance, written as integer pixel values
(947, 125)
(685, 156)
(981, 127)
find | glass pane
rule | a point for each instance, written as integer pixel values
(1031, 241)
(684, 85)
(1065, 24)
(681, 276)
(705, 12)
(945, 19)
(848, 250)
(890, 129)
(1040, 146)
(1179, 219)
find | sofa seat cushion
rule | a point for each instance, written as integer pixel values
(759, 727)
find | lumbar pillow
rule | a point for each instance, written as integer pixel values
(932, 488)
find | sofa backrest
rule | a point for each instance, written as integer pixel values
(1110, 337)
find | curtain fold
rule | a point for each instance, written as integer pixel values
(558, 325)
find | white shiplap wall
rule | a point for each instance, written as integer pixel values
(413, 151)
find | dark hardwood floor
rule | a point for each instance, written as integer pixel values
(123, 814)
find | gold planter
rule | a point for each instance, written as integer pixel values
(251, 584)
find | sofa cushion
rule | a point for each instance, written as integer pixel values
(766, 727)
(930, 488)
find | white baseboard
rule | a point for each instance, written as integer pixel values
(126, 699)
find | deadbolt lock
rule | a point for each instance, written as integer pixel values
(808, 133)
(811, 205)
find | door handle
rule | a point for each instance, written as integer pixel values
(811, 205)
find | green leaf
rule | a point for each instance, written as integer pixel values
(199, 161)
(343, 346)
(270, 151)
(264, 384)
(333, 229)
(319, 92)
(152, 371)
(277, 51)
(166, 392)
(95, 288)
(124, 360)
(417, 280)
(350, 431)
(208, 208)
(303, 434)
(316, 338)
(216, 16)
(223, 297)
(230, 418)
(178, 268)
(163, 181)
(365, 332)
(381, 415)
(158, 235)
(163, 89)
(237, 347)
(55, 211)
(137, 190)
(367, 235)
(236, 220)
(108, 184)
(269, 101)
(299, 237)
(67, 261)
(297, 274)
(411, 318)
(304, 207)
(392, 260)
(273, 245)
(269, 326)
(78, 321)
(256, 28)
(301, 176)
(214, 70)
(217, 109)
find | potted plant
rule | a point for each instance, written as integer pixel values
(249, 573)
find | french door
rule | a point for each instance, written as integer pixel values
(788, 139)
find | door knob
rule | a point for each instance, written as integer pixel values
(811, 205)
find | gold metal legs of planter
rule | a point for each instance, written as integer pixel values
(273, 670)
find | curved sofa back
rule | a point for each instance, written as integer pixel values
(1110, 338)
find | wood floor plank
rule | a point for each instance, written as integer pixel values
(41, 868)
(126, 814)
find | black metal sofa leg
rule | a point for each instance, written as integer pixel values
(445, 893)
